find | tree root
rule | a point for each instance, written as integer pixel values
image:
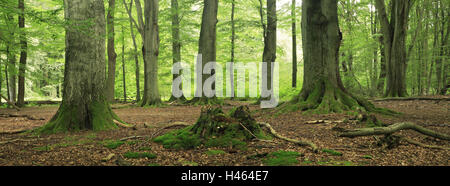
(414, 142)
(298, 142)
(392, 129)
(412, 99)
(124, 125)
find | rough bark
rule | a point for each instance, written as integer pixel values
(23, 55)
(112, 56)
(84, 106)
(151, 47)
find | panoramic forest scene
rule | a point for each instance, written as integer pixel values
(224, 83)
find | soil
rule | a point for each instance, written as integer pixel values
(87, 148)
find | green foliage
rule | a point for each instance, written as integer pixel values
(282, 158)
(136, 155)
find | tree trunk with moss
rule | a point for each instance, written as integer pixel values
(84, 106)
(323, 90)
(151, 48)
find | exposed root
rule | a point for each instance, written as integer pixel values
(298, 142)
(124, 125)
(392, 129)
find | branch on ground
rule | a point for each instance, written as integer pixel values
(298, 142)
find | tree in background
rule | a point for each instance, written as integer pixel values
(23, 55)
(112, 56)
(394, 37)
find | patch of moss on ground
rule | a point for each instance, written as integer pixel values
(136, 155)
(215, 129)
(332, 152)
(112, 144)
(282, 158)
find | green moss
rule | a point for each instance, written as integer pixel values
(367, 157)
(215, 129)
(332, 152)
(282, 158)
(112, 144)
(136, 155)
(214, 152)
(145, 148)
(154, 165)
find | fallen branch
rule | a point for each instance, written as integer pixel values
(10, 103)
(412, 99)
(21, 115)
(392, 129)
(298, 142)
(131, 137)
(171, 125)
(414, 142)
(124, 125)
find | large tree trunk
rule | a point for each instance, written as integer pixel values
(110, 82)
(176, 43)
(84, 106)
(207, 48)
(394, 34)
(294, 46)
(151, 48)
(443, 73)
(323, 90)
(23, 55)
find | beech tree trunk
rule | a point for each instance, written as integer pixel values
(135, 54)
(176, 43)
(11, 60)
(23, 55)
(151, 48)
(323, 91)
(84, 106)
(270, 40)
(394, 34)
(112, 56)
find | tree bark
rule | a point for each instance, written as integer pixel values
(23, 55)
(294, 46)
(233, 46)
(394, 34)
(176, 43)
(151, 48)
(11, 58)
(323, 91)
(270, 40)
(135, 54)
(110, 82)
(123, 67)
(84, 106)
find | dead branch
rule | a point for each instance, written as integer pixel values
(131, 137)
(124, 125)
(21, 115)
(414, 142)
(412, 99)
(298, 142)
(392, 129)
(10, 103)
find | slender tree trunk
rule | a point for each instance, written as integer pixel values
(151, 48)
(6, 76)
(176, 43)
(135, 52)
(23, 55)
(11, 58)
(110, 82)
(123, 67)
(84, 105)
(294, 46)
(382, 77)
(233, 46)
(270, 42)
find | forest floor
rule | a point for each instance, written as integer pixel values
(89, 148)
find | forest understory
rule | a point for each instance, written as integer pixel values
(134, 146)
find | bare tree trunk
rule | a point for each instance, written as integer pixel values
(176, 43)
(233, 41)
(151, 48)
(110, 82)
(23, 55)
(135, 52)
(11, 58)
(123, 67)
(294, 46)
(394, 34)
